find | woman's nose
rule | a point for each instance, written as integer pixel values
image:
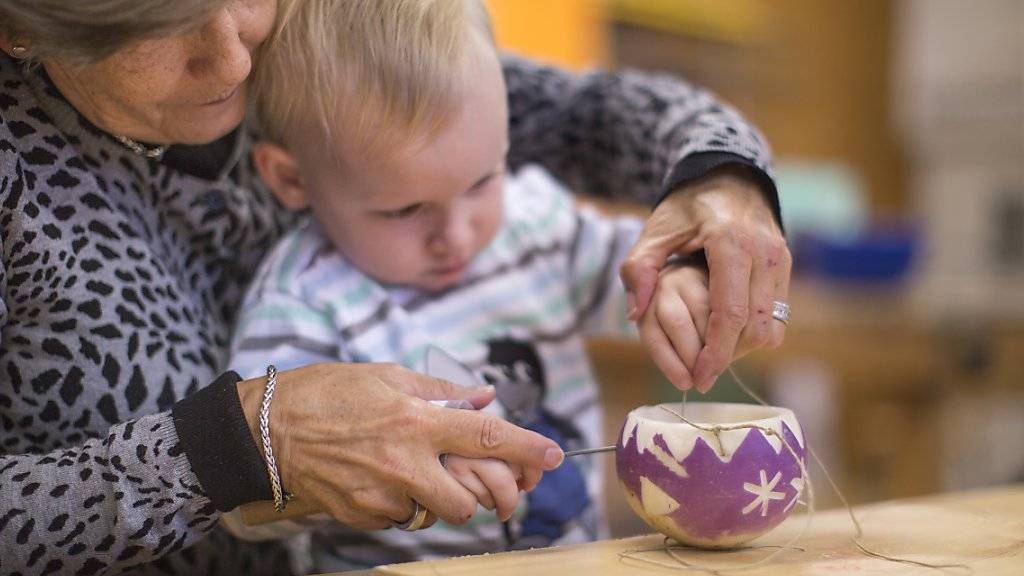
(221, 54)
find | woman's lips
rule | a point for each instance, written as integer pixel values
(224, 98)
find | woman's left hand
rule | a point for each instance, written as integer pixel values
(726, 215)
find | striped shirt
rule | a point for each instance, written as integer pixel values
(518, 319)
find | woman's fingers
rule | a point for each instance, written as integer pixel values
(667, 231)
(422, 479)
(780, 266)
(481, 435)
(729, 264)
(360, 522)
(769, 281)
(639, 273)
(430, 388)
(394, 498)
(363, 509)
(429, 521)
(436, 489)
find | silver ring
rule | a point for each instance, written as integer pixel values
(415, 522)
(780, 311)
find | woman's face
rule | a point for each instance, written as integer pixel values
(183, 89)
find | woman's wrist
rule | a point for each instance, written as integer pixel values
(250, 397)
(727, 197)
(703, 165)
(213, 431)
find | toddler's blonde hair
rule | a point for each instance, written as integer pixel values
(375, 69)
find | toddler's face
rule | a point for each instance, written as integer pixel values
(418, 215)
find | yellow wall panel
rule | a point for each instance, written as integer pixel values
(739, 21)
(571, 33)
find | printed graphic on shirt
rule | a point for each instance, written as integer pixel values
(516, 371)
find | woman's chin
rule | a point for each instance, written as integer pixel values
(212, 122)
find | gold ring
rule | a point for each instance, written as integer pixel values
(415, 522)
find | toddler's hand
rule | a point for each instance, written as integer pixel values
(674, 325)
(492, 481)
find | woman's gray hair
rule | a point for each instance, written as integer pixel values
(84, 31)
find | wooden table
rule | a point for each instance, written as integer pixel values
(983, 529)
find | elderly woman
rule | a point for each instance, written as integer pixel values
(131, 222)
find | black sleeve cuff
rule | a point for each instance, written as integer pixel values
(700, 164)
(215, 436)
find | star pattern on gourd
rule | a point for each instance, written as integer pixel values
(764, 493)
(798, 486)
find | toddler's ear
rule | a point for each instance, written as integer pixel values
(280, 172)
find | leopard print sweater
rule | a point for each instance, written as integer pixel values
(119, 280)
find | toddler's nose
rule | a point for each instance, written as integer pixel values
(455, 239)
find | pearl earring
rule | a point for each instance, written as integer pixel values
(18, 51)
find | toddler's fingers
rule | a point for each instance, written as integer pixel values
(662, 352)
(528, 479)
(678, 326)
(464, 470)
(501, 482)
(696, 298)
(519, 473)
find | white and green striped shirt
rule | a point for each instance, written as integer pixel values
(518, 319)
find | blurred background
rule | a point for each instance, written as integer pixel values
(898, 132)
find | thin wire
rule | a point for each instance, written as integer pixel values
(609, 448)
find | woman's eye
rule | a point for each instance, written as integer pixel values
(402, 212)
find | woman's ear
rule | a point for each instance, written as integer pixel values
(280, 172)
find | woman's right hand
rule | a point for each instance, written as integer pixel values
(361, 441)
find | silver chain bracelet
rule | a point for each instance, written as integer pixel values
(280, 496)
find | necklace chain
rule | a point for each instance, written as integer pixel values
(154, 152)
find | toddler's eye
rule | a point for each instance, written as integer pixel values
(484, 183)
(402, 212)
